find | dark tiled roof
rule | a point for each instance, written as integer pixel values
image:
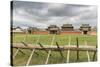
(52, 26)
(85, 25)
(67, 25)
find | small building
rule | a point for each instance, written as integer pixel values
(67, 27)
(53, 29)
(85, 28)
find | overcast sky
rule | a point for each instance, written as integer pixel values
(41, 15)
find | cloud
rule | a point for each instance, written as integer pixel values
(44, 14)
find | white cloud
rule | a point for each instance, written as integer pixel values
(42, 15)
(55, 6)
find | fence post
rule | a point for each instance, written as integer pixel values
(26, 45)
(77, 47)
(59, 50)
(42, 47)
(94, 54)
(21, 51)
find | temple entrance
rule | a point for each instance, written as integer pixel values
(84, 32)
(53, 32)
(29, 31)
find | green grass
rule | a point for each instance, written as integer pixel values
(55, 57)
(61, 39)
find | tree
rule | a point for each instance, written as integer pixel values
(31, 30)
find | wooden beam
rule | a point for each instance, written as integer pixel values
(77, 50)
(53, 48)
(21, 51)
(36, 53)
(94, 54)
(27, 45)
(68, 50)
(42, 47)
(87, 52)
(16, 53)
(30, 57)
(49, 53)
(24, 43)
(33, 50)
(18, 50)
(59, 50)
(81, 45)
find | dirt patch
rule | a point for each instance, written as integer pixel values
(62, 33)
(41, 32)
(70, 32)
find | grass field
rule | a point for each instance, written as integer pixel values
(55, 57)
(62, 39)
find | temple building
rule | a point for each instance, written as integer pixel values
(53, 29)
(67, 27)
(85, 28)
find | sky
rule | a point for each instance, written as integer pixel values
(41, 15)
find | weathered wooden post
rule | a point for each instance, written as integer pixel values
(94, 54)
(42, 47)
(21, 51)
(59, 50)
(77, 50)
(26, 45)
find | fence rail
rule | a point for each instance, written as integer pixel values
(54, 48)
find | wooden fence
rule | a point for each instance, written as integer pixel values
(50, 48)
